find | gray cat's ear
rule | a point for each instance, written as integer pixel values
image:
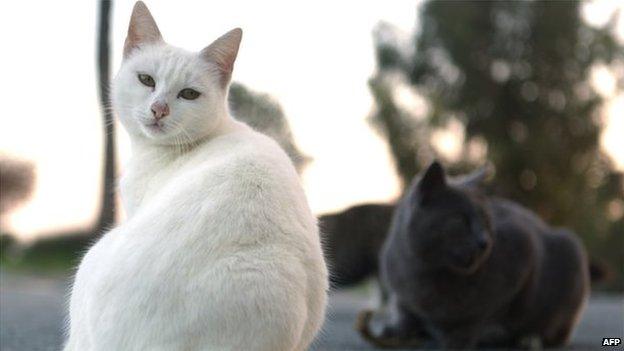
(222, 52)
(142, 29)
(476, 179)
(431, 182)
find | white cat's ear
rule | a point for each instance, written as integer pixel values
(223, 51)
(142, 29)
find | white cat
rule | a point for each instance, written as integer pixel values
(220, 250)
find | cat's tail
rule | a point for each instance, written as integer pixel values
(362, 323)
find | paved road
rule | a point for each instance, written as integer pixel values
(32, 311)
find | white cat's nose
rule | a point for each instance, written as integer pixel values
(160, 110)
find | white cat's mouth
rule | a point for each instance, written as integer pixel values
(156, 127)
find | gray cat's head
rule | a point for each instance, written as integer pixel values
(449, 225)
(166, 95)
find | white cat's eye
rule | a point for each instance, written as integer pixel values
(189, 94)
(147, 80)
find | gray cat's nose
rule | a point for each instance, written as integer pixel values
(160, 110)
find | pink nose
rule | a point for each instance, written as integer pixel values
(160, 110)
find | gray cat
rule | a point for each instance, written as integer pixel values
(467, 269)
(352, 240)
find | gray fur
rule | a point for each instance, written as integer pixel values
(468, 269)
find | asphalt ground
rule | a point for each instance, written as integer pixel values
(33, 311)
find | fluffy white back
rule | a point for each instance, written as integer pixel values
(220, 250)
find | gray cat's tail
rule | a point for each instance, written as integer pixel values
(362, 325)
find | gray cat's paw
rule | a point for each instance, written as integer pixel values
(385, 338)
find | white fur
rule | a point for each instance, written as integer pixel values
(220, 250)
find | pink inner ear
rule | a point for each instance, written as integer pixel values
(142, 29)
(223, 52)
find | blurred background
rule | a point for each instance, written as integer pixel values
(362, 95)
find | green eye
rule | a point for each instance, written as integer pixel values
(147, 80)
(189, 94)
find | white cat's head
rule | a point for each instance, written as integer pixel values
(166, 95)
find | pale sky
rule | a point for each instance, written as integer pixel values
(315, 58)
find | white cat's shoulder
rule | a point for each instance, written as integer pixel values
(246, 147)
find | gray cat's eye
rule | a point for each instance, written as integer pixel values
(147, 80)
(189, 94)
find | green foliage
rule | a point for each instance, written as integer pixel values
(517, 75)
(54, 254)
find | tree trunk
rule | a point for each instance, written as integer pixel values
(106, 217)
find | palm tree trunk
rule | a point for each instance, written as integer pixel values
(106, 217)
